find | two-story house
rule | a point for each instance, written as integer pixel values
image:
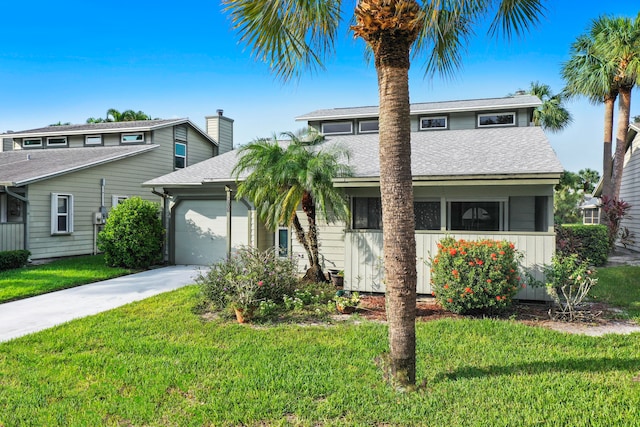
(58, 183)
(480, 170)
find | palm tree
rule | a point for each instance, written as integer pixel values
(294, 35)
(282, 178)
(617, 42)
(114, 115)
(586, 74)
(552, 114)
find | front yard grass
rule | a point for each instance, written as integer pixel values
(157, 363)
(61, 274)
(620, 287)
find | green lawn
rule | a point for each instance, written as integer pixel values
(61, 274)
(157, 363)
(620, 286)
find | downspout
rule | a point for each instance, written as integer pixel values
(165, 222)
(229, 191)
(26, 215)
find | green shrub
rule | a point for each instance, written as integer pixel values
(568, 281)
(133, 234)
(589, 242)
(249, 277)
(13, 259)
(475, 276)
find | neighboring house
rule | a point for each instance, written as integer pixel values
(630, 185)
(58, 183)
(590, 208)
(481, 170)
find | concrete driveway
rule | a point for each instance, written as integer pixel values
(34, 314)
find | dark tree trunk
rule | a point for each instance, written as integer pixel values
(624, 107)
(607, 161)
(314, 272)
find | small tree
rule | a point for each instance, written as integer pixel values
(133, 234)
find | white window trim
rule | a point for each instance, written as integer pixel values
(178, 155)
(368, 131)
(446, 122)
(115, 198)
(277, 242)
(504, 211)
(64, 144)
(506, 113)
(86, 140)
(338, 133)
(32, 145)
(132, 134)
(54, 214)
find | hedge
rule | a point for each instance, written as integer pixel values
(13, 259)
(589, 242)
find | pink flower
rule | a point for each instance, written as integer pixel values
(260, 283)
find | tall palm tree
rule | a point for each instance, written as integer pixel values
(281, 178)
(294, 35)
(552, 115)
(617, 42)
(587, 74)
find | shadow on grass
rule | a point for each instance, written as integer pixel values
(558, 366)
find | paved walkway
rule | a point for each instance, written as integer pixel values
(29, 315)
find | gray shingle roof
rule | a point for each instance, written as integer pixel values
(517, 101)
(23, 167)
(86, 128)
(473, 152)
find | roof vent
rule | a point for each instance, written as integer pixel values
(220, 112)
(521, 92)
(28, 156)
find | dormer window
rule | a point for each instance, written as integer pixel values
(368, 126)
(434, 123)
(132, 138)
(493, 119)
(32, 142)
(58, 141)
(337, 128)
(93, 140)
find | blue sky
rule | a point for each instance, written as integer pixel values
(70, 60)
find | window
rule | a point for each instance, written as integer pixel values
(591, 216)
(130, 138)
(432, 123)
(336, 128)
(504, 119)
(32, 142)
(61, 213)
(282, 243)
(367, 214)
(476, 216)
(368, 126)
(116, 200)
(11, 209)
(427, 215)
(93, 140)
(58, 141)
(180, 147)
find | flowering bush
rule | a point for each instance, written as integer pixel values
(469, 276)
(249, 277)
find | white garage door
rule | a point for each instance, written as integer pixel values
(201, 230)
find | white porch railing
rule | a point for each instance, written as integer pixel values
(364, 264)
(11, 236)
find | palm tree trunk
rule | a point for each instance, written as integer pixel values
(315, 270)
(607, 163)
(624, 110)
(399, 246)
(302, 237)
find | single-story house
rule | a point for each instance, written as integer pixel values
(58, 183)
(481, 170)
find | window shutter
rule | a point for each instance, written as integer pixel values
(70, 213)
(54, 212)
